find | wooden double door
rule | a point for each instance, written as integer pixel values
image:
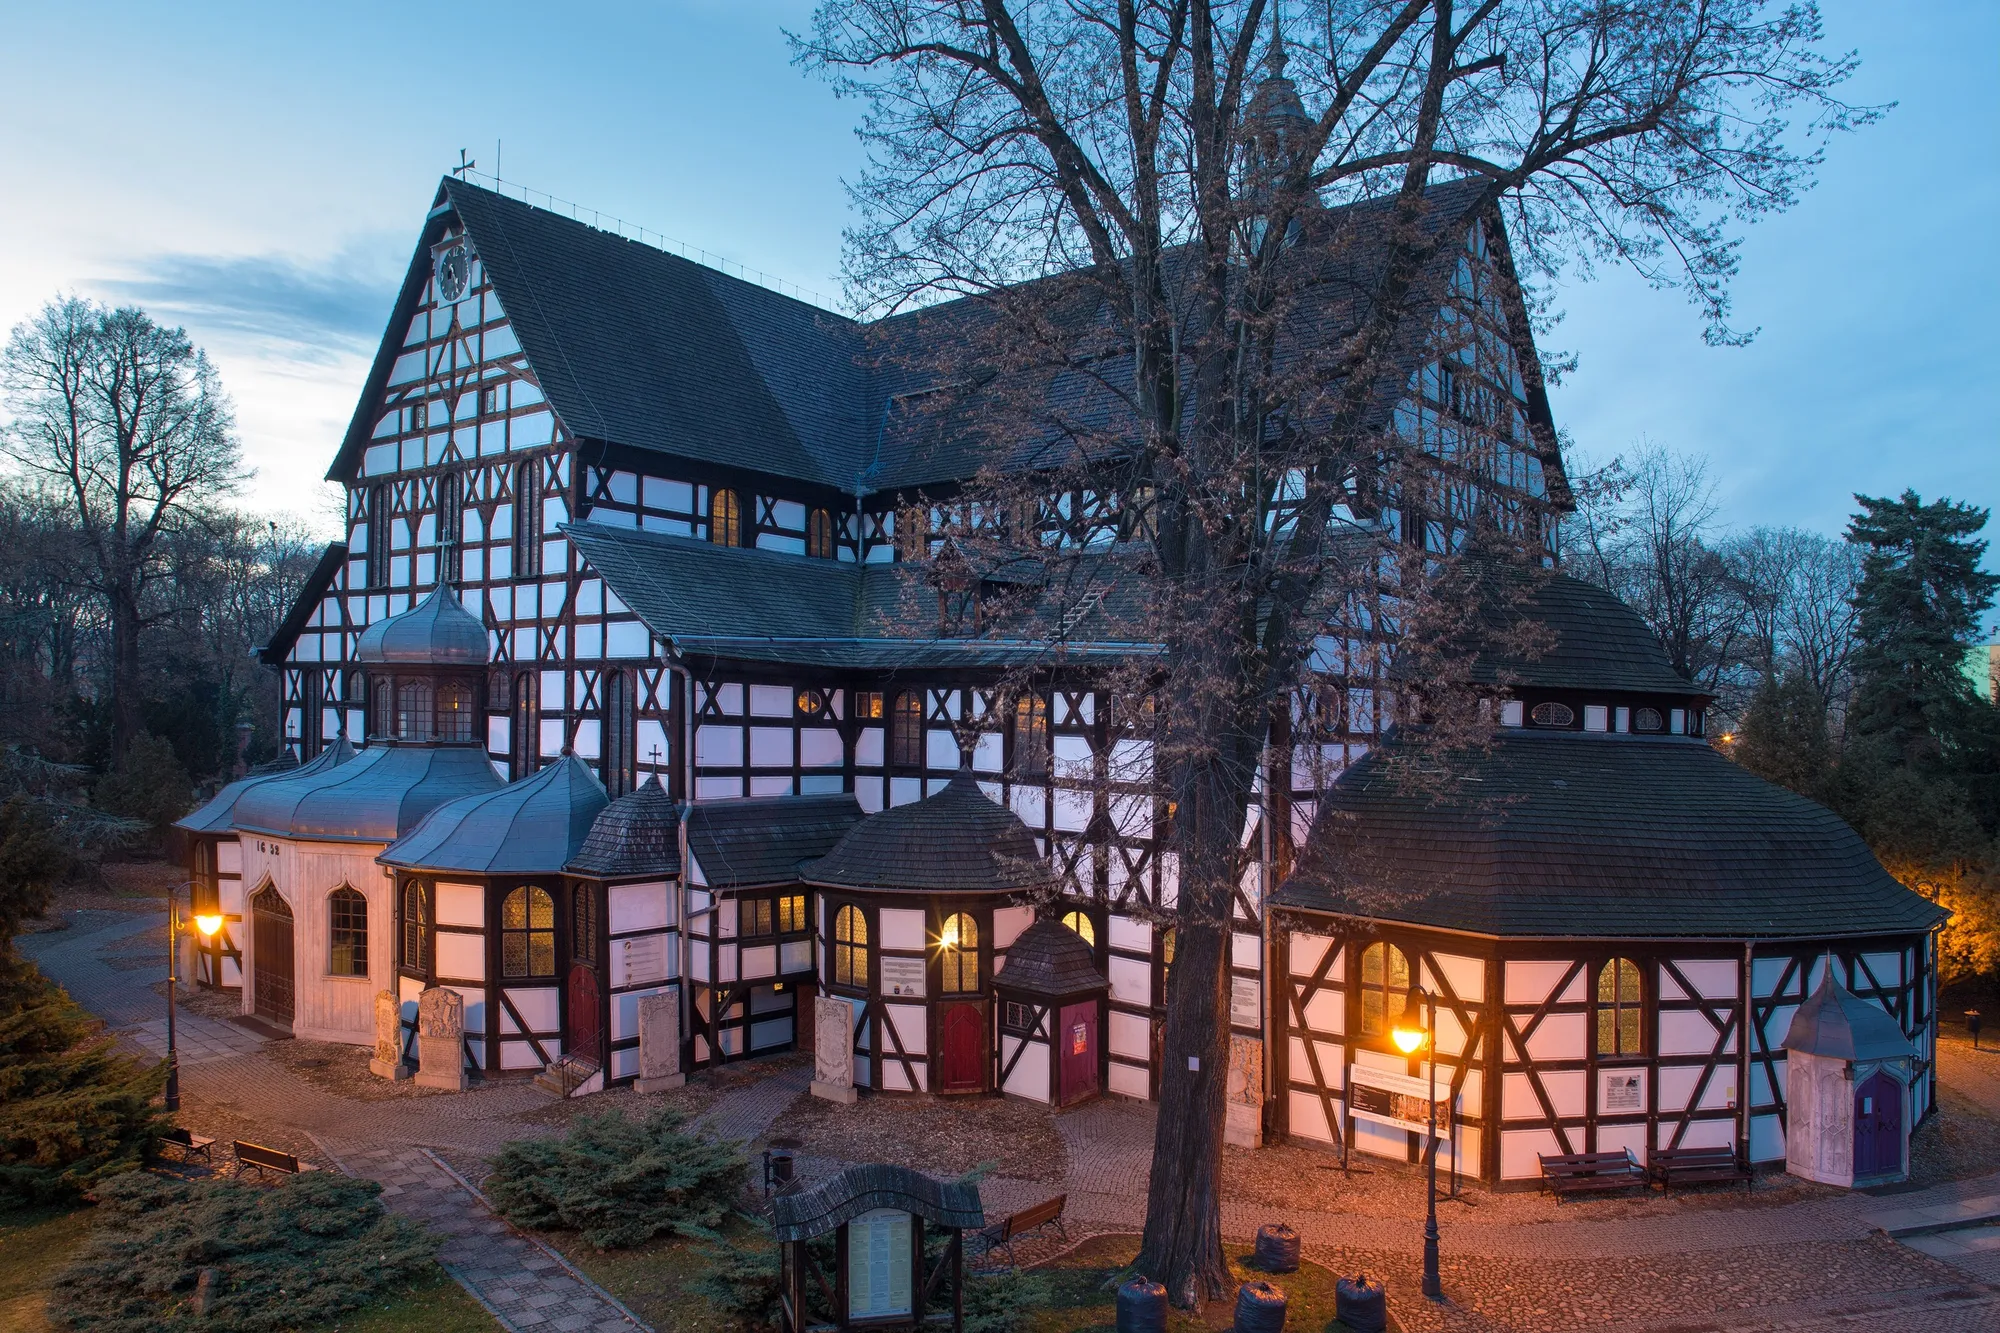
(274, 988)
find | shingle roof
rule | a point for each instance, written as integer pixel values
(437, 631)
(956, 841)
(637, 834)
(762, 841)
(1836, 1022)
(218, 813)
(1596, 641)
(1050, 960)
(530, 827)
(1575, 834)
(801, 1214)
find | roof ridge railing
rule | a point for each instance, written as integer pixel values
(657, 240)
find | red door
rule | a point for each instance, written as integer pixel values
(962, 1049)
(1076, 1042)
(1878, 1126)
(586, 1014)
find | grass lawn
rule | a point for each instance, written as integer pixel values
(37, 1243)
(649, 1278)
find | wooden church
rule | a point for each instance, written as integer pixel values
(612, 691)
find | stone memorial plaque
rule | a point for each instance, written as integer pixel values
(388, 1062)
(441, 1039)
(660, 1043)
(833, 1049)
(641, 959)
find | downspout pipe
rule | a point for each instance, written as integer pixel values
(1743, 1038)
(686, 678)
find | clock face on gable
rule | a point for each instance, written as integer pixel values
(454, 271)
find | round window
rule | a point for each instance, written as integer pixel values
(1646, 719)
(1553, 715)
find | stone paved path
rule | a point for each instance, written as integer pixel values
(521, 1283)
(745, 1113)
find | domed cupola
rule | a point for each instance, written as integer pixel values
(426, 672)
(1275, 130)
(957, 841)
(530, 827)
(635, 836)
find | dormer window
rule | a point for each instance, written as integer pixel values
(1551, 714)
(1648, 719)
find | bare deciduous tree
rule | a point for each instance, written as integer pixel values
(126, 422)
(1175, 353)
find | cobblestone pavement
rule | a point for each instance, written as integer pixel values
(523, 1284)
(197, 1040)
(1512, 1265)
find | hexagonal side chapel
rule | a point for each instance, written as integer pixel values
(632, 606)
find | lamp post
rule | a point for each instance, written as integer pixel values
(207, 923)
(1409, 1040)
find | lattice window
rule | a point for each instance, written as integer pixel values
(1552, 715)
(819, 535)
(583, 924)
(528, 933)
(454, 712)
(414, 719)
(526, 724)
(1080, 923)
(621, 740)
(416, 926)
(528, 519)
(725, 518)
(1385, 985)
(347, 933)
(850, 948)
(791, 913)
(753, 916)
(1620, 1024)
(1031, 737)
(958, 955)
(378, 535)
(906, 730)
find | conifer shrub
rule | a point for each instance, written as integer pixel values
(742, 1280)
(294, 1254)
(620, 1182)
(149, 784)
(72, 1110)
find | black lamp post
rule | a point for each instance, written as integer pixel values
(1410, 1041)
(207, 924)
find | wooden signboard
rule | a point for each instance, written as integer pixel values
(1396, 1100)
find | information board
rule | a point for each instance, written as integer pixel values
(1396, 1100)
(903, 976)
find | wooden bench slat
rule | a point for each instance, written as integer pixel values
(1568, 1173)
(257, 1156)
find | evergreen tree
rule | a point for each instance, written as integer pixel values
(1919, 603)
(1783, 738)
(32, 860)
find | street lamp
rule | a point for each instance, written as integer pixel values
(207, 923)
(1409, 1040)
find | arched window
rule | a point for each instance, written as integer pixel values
(347, 933)
(528, 933)
(1031, 736)
(528, 519)
(1619, 1024)
(958, 954)
(378, 535)
(1385, 986)
(312, 712)
(819, 535)
(413, 711)
(416, 927)
(850, 948)
(621, 769)
(526, 725)
(451, 502)
(583, 924)
(384, 721)
(1080, 923)
(725, 518)
(906, 730)
(454, 711)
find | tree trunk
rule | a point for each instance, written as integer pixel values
(126, 720)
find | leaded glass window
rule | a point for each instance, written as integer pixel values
(1620, 1025)
(416, 927)
(528, 933)
(850, 948)
(1385, 985)
(347, 933)
(958, 954)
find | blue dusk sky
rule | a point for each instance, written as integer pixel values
(259, 173)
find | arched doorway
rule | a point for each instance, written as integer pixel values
(1878, 1126)
(273, 988)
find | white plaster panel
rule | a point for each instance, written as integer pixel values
(1521, 1151)
(770, 701)
(461, 905)
(868, 748)
(910, 1025)
(1308, 1118)
(1715, 978)
(1466, 975)
(1072, 809)
(941, 748)
(760, 960)
(1307, 952)
(640, 907)
(1030, 1078)
(1450, 1033)
(1008, 923)
(229, 857)
(1131, 980)
(1031, 804)
(1127, 933)
(720, 746)
(1517, 1098)
(1246, 951)
(820, 747)
(1560, 1037)
(1630, 1137)
(770, 747)
(1764, 974)
(1709, 1134)
(1531, 982)
(1686, 1032)
(1128, 1034)
(1128, 1081)
(539, 1007)
(1767, 1139)
(1380, 1140)
(462, 956)
(902, 928)
(1326, 1012)
(1676, 1085)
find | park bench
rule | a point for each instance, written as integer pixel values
(1002, 1234)
(1589, 1172)
(255, 1156)
(189, 1143)
(1697, 1166)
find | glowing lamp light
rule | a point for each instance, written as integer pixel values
(207, 923)
(1409, 1040)
(949, 939)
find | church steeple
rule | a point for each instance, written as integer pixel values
(1275, 126)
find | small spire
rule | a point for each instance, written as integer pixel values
(1274, 59)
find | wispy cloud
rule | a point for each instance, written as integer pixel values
(268, 304)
